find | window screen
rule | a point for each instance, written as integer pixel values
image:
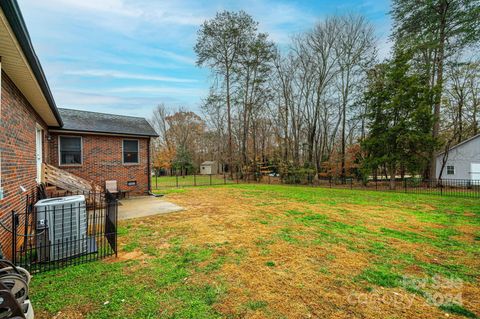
(450, 170)
(130, 151)
(70, 150)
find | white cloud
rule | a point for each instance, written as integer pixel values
(177, 57)
(157, 12)
(125, 75)
(111, 103)
(160, 90)
(104, 42)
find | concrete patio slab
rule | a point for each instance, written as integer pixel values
(145, 206)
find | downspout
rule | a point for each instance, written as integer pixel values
(1, 121)
(148, 168)
(149, 172)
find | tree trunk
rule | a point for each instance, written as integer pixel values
(439, 84)
(392, 176)
(343, 172)
(229, 125)
(475, 122)
(460, 120)
(286, 132)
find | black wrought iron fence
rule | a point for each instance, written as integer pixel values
(62, 231)
(444, 187)
(171, 181)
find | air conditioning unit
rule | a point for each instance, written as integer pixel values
(61, 228)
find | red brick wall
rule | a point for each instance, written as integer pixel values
(17, 146)
(102, 160)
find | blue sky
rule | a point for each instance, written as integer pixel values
(125, 57)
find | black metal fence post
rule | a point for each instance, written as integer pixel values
(14, 236)
(210, 179)
(176, 179)
(194, 179)
(116, 229)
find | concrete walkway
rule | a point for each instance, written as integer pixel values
(145, 206)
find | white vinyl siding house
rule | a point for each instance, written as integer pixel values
(463, 161)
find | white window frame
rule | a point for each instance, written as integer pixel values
(453, 168)
(60, 153)
(138, 151)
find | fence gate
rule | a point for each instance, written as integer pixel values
(111, 218)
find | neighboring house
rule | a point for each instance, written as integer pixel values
(463, 161)
(210, 167)
(94, 146)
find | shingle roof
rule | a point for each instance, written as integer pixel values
(86, 121)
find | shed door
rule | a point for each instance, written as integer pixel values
(475, 172)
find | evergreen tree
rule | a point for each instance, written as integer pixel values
(434, 30)
(398, 102)
(183, 161)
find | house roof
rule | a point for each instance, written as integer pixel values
(22, 64)
(462, 143)
(93, 122)
(208, 163)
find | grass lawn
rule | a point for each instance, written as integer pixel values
(265, 251)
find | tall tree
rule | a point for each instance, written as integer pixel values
(220, 42)
(320, 64)
(253, 72)
(356, 53)
(398, 108)
(434, 30)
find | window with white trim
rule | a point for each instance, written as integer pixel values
(450, 170)
(70, 149)
(130, 152)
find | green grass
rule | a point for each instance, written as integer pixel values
(458, 310)
(129, 289)
(381, 276)
(399, 235)
(256, 305)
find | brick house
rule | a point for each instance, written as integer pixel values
(99, 147)
(33, 130)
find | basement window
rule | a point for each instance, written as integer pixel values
(130, 152)
(451, 170)
(70, 149)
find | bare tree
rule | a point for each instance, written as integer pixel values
(355, 55)
(219, 44)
